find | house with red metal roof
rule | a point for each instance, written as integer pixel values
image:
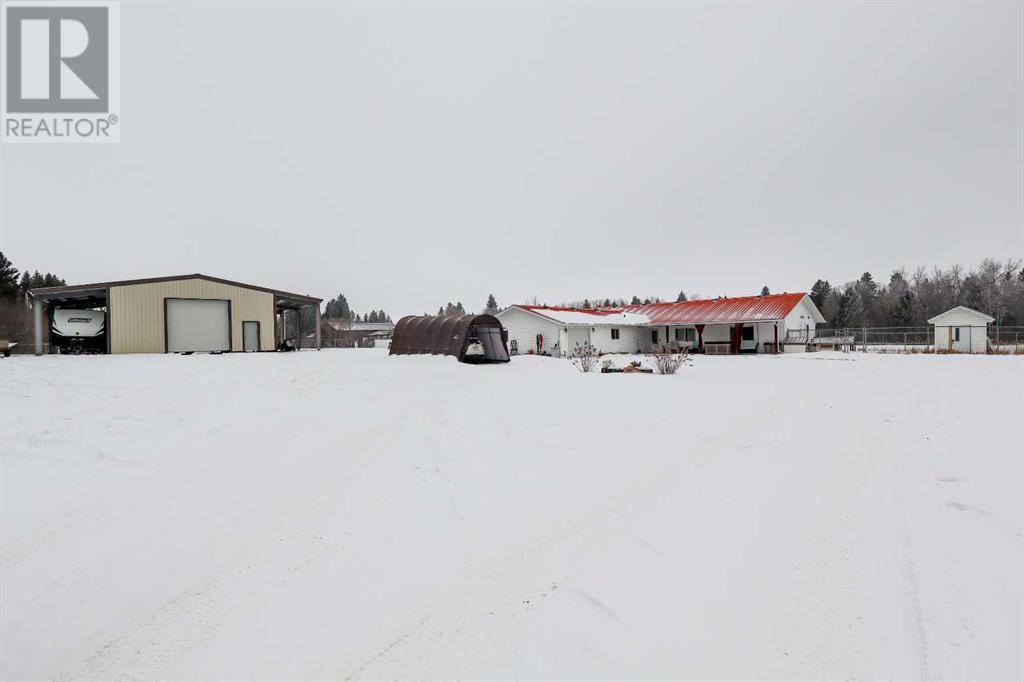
(772, 323)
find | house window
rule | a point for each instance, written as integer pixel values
(685, 334)
(748, 334)
(654, 336)
(956, 334)
(615, 333)
(514, 347)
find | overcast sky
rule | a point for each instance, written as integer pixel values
(408, 155)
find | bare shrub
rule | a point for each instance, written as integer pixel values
(666, 362)
(584, 357)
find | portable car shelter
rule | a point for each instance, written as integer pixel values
(450, 335)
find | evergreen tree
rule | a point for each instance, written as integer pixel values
(635, 301)
(586, 303)
(459, 310)
(492, 305)
(903, 313)
(681, 297)
(897, 280)
(851, 309)
(8, 278)
(764, 290)
(820, 293)
(440, 310)
(338, 307)
(868, 295)
(25, 284)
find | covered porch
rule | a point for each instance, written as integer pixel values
(296, 318)
(732, 338)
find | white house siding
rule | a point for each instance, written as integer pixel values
(576, 336)
(764, 332)
(523, 328)
(716, 333)
(561, 339)
(800, 317)
(627, 342)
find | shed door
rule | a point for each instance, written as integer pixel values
(198, 325)
(250, 336)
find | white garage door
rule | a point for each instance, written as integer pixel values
(198, 325)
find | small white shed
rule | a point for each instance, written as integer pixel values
(961, 330)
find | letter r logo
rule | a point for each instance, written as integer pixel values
(57, 59)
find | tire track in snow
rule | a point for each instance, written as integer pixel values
(486, 630)
(911, 573)
(150, 647)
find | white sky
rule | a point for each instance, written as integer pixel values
(408, 155)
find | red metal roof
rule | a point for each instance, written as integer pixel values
(720, 310)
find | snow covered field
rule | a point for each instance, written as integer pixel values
(344, 514)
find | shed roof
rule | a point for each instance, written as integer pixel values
(961, 310)
(61, 292)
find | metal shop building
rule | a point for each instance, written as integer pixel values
(178, 314)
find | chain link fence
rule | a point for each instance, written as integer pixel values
(1001, 339)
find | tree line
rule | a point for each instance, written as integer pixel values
(908, 299)
(490, 307)
(13, 286)
(338, 307)
(15, 315)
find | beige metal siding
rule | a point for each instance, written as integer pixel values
(137, 312)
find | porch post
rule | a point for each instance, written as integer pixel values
(317, 338)
(734, 340)
(37, 323)
(700, 336)
(776, 326)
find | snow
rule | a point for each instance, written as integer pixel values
(348, 514)
(591, 317)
